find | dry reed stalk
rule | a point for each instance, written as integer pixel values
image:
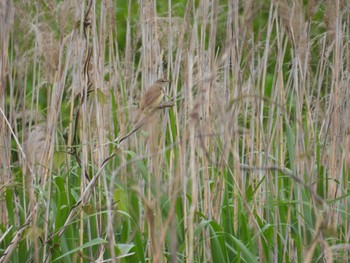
(152, 68)
(6, 20)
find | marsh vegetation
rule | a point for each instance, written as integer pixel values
(248, 161)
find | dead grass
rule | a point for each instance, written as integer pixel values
(254, 149)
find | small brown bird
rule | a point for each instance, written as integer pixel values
(152, 97)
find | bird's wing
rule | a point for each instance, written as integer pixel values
(151, 95)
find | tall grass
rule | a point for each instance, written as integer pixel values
(247, 160)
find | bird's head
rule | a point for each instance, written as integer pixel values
(163, 81)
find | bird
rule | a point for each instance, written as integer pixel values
(152, 97)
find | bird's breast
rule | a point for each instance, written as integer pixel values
(157, 101)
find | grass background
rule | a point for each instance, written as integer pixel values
(250, 164)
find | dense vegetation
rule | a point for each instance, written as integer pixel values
(248, 160)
